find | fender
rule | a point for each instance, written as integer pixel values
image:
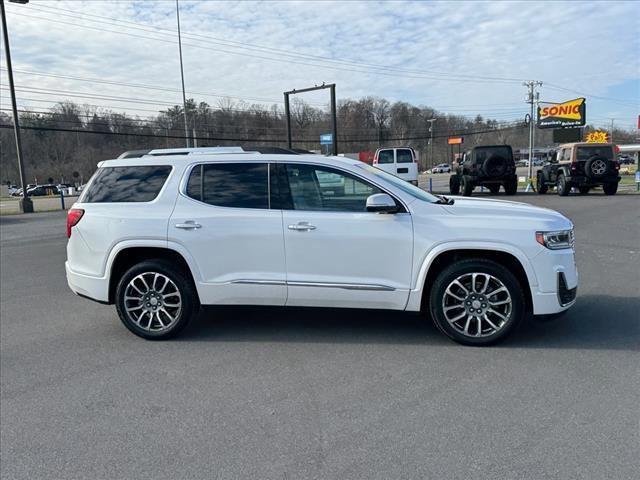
(417, 287)
(146, 243)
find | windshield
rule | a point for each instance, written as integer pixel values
(406, 187)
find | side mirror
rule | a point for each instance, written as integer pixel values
(381, 203)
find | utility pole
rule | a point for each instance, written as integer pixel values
(184, 95)
(533, 98)
(611, 131)
(431, 120)
(25, 203)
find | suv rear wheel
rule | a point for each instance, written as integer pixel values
(467, 186)
(562, 186)
(610, 188)
(155, 301)
(511, 186)
(540, 185)
(476, 302)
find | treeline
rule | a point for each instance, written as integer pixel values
(70, 139)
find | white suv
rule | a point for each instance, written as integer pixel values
(160, 234)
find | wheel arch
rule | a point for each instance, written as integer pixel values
(125, 257)
(440, 258)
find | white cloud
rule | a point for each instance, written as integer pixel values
(586, 46)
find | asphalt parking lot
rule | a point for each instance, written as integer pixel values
(293, 394)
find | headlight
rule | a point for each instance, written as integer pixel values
(556, 240)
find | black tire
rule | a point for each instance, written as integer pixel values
(584, 190)
(454, 185)
(188, 300)
(494, 189)
(610, 188)
(511, 186)
(467, 186)
(562, 186)
(540, 185)
(454, 330)
(494, 166)
(597, 167)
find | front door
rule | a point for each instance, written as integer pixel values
(337, 253)
(224, 222)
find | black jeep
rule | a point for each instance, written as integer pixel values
(580, 165)
(489, 166)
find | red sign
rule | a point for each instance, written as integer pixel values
(455, 140)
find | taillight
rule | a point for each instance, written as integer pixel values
(616, 165)
(73, 217)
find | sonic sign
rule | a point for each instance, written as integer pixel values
(563, 115)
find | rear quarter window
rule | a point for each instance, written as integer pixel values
(126, 184)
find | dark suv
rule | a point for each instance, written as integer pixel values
(580, 165)
(489, 166)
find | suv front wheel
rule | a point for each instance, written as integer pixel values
(476, 302)
(155, 300)
(562, 186)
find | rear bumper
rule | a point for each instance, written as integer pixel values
(584, 180)
(94, 288)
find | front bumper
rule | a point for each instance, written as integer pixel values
(94, 288)
(557, 281)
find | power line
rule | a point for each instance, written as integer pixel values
(260, 48)
(393, 73)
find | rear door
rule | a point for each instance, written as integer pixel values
(406, 166)
(386, 160)
(337, 253)
(224, 222)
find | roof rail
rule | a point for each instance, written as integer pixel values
(134, 153)
(212, 151)
(197, 151)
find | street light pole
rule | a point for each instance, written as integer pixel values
(431, 120)
(25, 204)
(184, 95)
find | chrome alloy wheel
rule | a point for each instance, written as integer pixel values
(477, 304)
(598, 167)
(152, 301)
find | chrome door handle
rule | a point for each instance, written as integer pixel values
(302, 227)
(188, 225)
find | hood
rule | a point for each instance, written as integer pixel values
(504, 209)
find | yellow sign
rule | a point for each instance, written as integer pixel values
(597, 137)
(562, 115)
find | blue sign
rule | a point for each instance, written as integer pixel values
(326, 139)
(638, 176)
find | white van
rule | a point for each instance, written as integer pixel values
(399, 161)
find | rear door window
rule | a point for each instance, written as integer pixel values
(404, 155)
(126, 184)
(237, 185)
(385, 156)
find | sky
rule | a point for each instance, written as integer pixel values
(463, 58)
